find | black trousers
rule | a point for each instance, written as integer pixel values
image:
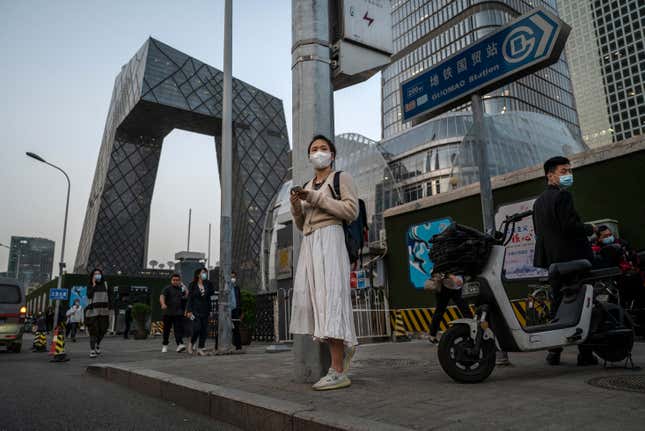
(97, 327)
(126, 331)
(200, 330)
(176, 322)
(237, 338)
(73, 327)
(443, 299)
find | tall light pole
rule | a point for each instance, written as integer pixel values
(313, 113)
(61, 264)
(224, 322)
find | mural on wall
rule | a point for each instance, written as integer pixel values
(80, 293)
(419, 238)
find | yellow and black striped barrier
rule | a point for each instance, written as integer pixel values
(40, 342)
(411, 320)
(58, 345)
(156, 328)
(398, 328)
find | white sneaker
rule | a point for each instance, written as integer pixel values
(181, 348)
(348, 354)
(164, 349)
(98, 350)
(93, 354)
(333, 380)
(202, 352)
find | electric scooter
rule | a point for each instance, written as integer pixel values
(467, 349)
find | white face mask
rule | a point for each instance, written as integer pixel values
(320, 159)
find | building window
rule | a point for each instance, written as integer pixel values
(412, 193)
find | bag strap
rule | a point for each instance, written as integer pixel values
(336, 189)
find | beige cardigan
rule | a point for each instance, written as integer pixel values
(322, 209)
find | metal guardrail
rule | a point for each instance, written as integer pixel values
(283, 314)
(370, 312)
(264, 317)
(369, 308)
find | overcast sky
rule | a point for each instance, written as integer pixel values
(58, 64)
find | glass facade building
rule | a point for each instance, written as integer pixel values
(422, 158)
(31, 260)
(426, 32)
(158, 90)
(437, 155)
(606, 52)
(515, 140)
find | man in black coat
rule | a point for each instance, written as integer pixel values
(560, 236)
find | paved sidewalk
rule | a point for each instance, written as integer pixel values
(402, 384)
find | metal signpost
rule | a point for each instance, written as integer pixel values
(529, 43)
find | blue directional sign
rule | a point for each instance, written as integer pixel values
(529, 43)
(55, 294)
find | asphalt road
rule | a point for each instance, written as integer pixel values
(38, 395)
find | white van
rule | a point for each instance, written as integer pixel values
(12, 314)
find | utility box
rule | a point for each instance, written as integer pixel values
(361, 37)
(187, 263)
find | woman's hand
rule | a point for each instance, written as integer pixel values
(294, 198)
(303, 194)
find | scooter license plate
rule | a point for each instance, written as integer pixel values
(470, 289)
(602, 298)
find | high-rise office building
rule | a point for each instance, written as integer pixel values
(31, 260)
(606, 54)
(158, 90)
(426, 32)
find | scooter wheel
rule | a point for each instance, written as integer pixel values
(463, 366)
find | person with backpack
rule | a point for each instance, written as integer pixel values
(322, 305)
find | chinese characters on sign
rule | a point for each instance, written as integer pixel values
(529, 43)
(518, 260)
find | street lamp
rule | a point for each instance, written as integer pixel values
(61, 265)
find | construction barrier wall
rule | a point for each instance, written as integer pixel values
(608, 185)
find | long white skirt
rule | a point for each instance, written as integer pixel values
(322, 303)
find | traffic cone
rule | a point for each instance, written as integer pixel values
(58, 347)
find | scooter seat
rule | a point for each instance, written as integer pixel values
(574, 267)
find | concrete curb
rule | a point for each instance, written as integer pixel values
(246, 410)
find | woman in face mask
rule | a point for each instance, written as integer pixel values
(198, 308)
(322, 304)
(97, 311)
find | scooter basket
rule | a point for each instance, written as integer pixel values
(460, 250)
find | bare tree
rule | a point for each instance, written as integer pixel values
(153, 263)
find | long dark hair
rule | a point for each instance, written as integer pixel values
(92, 275)
(198, 271)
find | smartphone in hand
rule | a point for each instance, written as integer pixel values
(296, 189)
